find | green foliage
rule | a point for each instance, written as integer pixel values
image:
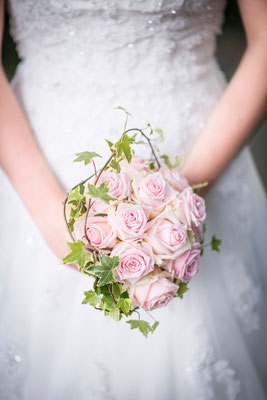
(177, 162)
(110, 144)
(143, 326)
(152, 165)
(183, 288)
(92, 298)
(150, 127)
(86, 156)
(100, 192)
(77, 212)
(115, 165)
(108, 302)
(125, 305)
(116, 290)
(77, 195)
(77, 201)
(160, 133)
(78, 254)
(115, 314)
(104, 270)
(123, 109)
(215, 243)
(123, 146)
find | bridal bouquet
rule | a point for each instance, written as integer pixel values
(137, 228)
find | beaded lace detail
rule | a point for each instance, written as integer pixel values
(207, 372)
(13, 369)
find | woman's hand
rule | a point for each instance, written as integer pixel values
(53, 228)
(241, 108)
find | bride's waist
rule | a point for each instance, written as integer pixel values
(115, 73)
(162, 58)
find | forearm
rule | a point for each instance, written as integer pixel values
(233, 120)
(21, 158)
(28, 171)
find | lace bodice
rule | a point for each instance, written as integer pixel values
(107, 25)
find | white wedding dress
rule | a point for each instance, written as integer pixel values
(80, 60)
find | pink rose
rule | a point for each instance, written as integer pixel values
(99, 207)
(167, 236)
(155, 294)
(129, 222)
(118, 184)
(190, 208)
(136, 165)
(136, 260)
(178, 181)
(153, 190)
(98, 231)
(186, 265)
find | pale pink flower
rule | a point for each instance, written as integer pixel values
(99, 207)
(178, 181)
(153, 190)
(98, 230)
(154, 294)
(186, 265)
(167, 236)
(190, 208)
(129, 222)
(118, 184)
(136, 260)
(136, 165)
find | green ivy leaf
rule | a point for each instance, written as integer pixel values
(115, 165)
(123, 109)
(143, 326)
(77, 212)
(149, 126)
(126, 142)
(160, 133)
(215, 243)
(100, 192)
(108, 302)
(110, 144)
(109, 262)
(152, 165)
(116, 290)
(182, 289)
(76, 196)
(119, 150)
(104, 270)
(86, 156)
(125, 305)
(71, 222)
(177, 162)
(92, 298)
(115, 314)
(78, 254)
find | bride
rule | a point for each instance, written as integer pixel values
(80, 60)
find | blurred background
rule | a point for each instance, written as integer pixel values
(231, 45)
